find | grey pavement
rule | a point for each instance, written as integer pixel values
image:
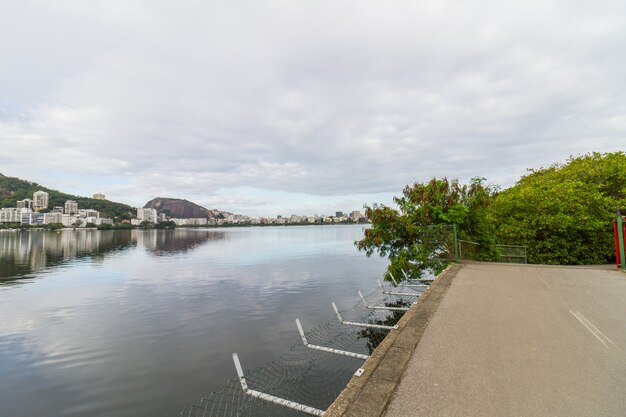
(514, 340)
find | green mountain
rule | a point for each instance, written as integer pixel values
(13, 189)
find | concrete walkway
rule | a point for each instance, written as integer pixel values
(520, 341)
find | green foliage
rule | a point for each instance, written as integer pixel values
(14, 189)
(119, 226)
(418, 237)
(165, 225)
(564, 213)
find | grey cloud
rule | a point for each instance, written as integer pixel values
(322, 98)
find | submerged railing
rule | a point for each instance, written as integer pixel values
(309, 377)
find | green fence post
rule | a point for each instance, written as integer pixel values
(620, 238)
(456, 244)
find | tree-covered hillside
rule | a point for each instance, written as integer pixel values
(13, 189)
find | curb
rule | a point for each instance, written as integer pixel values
(369, 395)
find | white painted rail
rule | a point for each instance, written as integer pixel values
(381, 307)
(353, 323)
(401, 294)
(272, 398)
(327, 349)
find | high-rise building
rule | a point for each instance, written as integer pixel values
(98, 196)
(26, 203)
(71, 207)
(40, 200)
(338, 213)
(147, 215)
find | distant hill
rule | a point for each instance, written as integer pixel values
(13, 189)
(183, 209)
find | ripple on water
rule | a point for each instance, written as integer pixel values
(144, 323)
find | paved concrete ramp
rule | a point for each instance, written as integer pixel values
(512, 340)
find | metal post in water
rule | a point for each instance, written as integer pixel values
(406, 285)
(401, 294)
(382, 307)
(418, 279)
(272, 398)
(353, 323)
(327, 349)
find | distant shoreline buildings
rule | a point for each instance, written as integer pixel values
(29, 212)
(35, 212)
(150, 215)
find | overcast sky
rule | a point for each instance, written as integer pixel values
(280, 107)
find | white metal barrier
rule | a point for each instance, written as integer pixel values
(381, 307)
(327, 349)
(417, 280)
(353, 323)
(272, 398)
(407, 285)
(401, 294)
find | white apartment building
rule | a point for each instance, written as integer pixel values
(26, 203)
(52, 218)
(88, 213)
(71, 220)
(12, 215)
(32, 218)
(147, 215)
(40, 200)
(190, 222)
(71, 207)
(356, 215)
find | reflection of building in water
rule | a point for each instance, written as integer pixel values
(23, 253)
(174, 240)
(145, 238)
(28, 252)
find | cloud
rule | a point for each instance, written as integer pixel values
(310, 98)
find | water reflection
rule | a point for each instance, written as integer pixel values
(23, 254)
(143, 323)
(166, 242)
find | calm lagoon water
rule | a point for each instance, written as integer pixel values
(142, 323)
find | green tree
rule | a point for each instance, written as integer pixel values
(564, 213)
(418, 236)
